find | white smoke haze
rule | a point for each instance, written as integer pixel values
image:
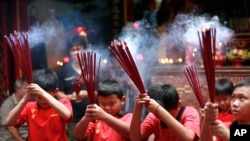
(46, 32)
(185, 28)
(140, 41)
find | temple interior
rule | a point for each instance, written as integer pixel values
(161, 34)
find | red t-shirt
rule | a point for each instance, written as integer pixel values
(44, 124)
(101, 131)
(152, 124)
(225, 117)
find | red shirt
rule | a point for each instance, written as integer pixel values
(190, 119)
(44, 124)
(101, 131)
(225, 117)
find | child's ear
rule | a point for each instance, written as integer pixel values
(123, 99)
(179, 103)
(55, 92)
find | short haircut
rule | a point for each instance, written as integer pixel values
(109, 87)
(46, 79)
(244, 82)
(224, 87)
(76, 41)
(19, 83)
(164, 94)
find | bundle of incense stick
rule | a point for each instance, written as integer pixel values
(89, 72)
(207, 40)
(193, 80)
(121, 52)
(19, 45)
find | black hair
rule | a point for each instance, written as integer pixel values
(109, 87)
(47, 79)
(164, 94)
(224, 87)
(19, 83)
(243, 82)
(76, 40)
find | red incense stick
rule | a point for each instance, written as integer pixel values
(193, 80)
(89, 72)
(19, 45)
(207, 39)
(122, 53)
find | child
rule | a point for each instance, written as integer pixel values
(223, 93)
(105, 122)
(169, 119)
(47, 116)
(240, 105)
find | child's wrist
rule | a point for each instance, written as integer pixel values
(156, 109)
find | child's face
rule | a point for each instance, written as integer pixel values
(42, 102)
(240, 104)
(223, 102)
(111, 104)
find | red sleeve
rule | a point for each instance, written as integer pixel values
(23, 117)
(191, 120)
(67, 103)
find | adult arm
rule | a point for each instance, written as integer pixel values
(74, 97)
(15, 133)
(5, 109)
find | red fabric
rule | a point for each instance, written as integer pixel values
(100, 131)
(227, 124)
(44, 124)
(225, 117)
(151, 124)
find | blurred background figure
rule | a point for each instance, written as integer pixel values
(67, 77)
(10, 133)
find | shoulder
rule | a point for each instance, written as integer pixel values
(151, 117)
(190, 110)
(11, 100)
(64, 100)
(65, 68)
(190, 114)
(127, 115)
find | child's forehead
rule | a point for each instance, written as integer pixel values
(243, 90)
(223, 95)
(110, 96)
(76, 46)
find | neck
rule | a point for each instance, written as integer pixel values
(76, 67)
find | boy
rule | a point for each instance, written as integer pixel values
(47, 116)
(223, 93)
(168, 120)
(105, 122)
(240, 105)
(10, 133)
